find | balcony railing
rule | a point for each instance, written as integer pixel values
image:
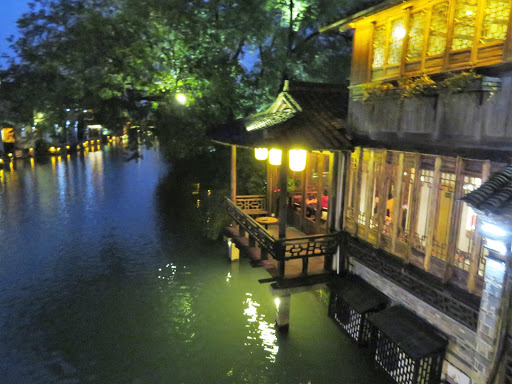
(252, 204)
(285, 250)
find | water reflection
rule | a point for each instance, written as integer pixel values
(260, 329)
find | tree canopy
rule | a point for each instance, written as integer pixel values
(128, 59)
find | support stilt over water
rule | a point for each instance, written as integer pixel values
(233, 251)
(283, 312)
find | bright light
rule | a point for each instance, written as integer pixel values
(10, 154)
(261, 153)
(181, 98)
(493, 230)
(52, 149)
(496, 245)
(67, 147)
(469, 13)
(399, 33)
(277, 301)
(297, 159)
(274, 156)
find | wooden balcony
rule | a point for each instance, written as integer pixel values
(296, 256)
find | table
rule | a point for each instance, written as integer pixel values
(267, 220)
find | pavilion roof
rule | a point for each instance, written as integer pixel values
(494, 197)
(307, 115)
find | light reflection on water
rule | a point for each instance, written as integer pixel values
(100, 283)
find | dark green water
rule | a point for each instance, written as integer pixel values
(100, 284)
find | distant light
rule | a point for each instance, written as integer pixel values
(181, 98)
(10, 155)
(496, 245)
(469, 13)
(52, 149)
(84, 111)
(261, 153)
(274, 156)
(67, 147)
(493, 230)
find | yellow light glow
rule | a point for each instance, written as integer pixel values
(1, 161)
(78, 147)
(67, 147)
(181, 98)
(58, 149)
(469, 13)
(261, 153)
(297, 159)
(274, 156)
(277, 301)
(86, 144)
(52, 149)
(31, 149)
(399, 33)
(10, 155)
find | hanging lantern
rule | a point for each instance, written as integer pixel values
(274, 156)
(261, 153)
(297, 159)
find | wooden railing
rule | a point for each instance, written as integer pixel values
(284, 250)
(252, 204)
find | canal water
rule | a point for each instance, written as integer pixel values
(101, 283)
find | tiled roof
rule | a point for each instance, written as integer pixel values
(313, 119)
(494, 197)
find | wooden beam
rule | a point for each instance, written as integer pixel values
(455, 219)
(432, 214)
(476, 245)
(319, 193)
(305, 189)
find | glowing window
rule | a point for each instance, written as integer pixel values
(396, 41)
(464, 24)
(494, 28)
(379, 47)
(415, 43)
(438, 27)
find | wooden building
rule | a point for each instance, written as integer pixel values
(416, 172)
(428, 115)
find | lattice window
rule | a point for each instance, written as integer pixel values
(396, 41)
(495, 25)
(415, 42)
(444, 215)
(464, 24)
(405, 205)
(438, 29)
(379, 47)
(467, 227)
(425, 193)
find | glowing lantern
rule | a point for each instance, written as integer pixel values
(297, 159)
(274, 156)
(181, 98)
(261, 153)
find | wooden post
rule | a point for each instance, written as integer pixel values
(283, 312)
(476, 245)
(455, 219)
(357, 193)
(283, 195)
(333, 181)
(432, 210)
(305, 188)
(397, 202)
(233, 174)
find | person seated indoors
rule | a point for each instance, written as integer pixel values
(310, 206)
(324, 200)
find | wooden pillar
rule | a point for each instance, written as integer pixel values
(283, 312)
(476, 245)
(305, 187)
(397, 202)
(455, 219)
(432, 216)
(370, 182)
(283, 195)
(233, 173)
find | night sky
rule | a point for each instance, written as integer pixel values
(10, 11)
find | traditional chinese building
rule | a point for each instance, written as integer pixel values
(413, 158)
